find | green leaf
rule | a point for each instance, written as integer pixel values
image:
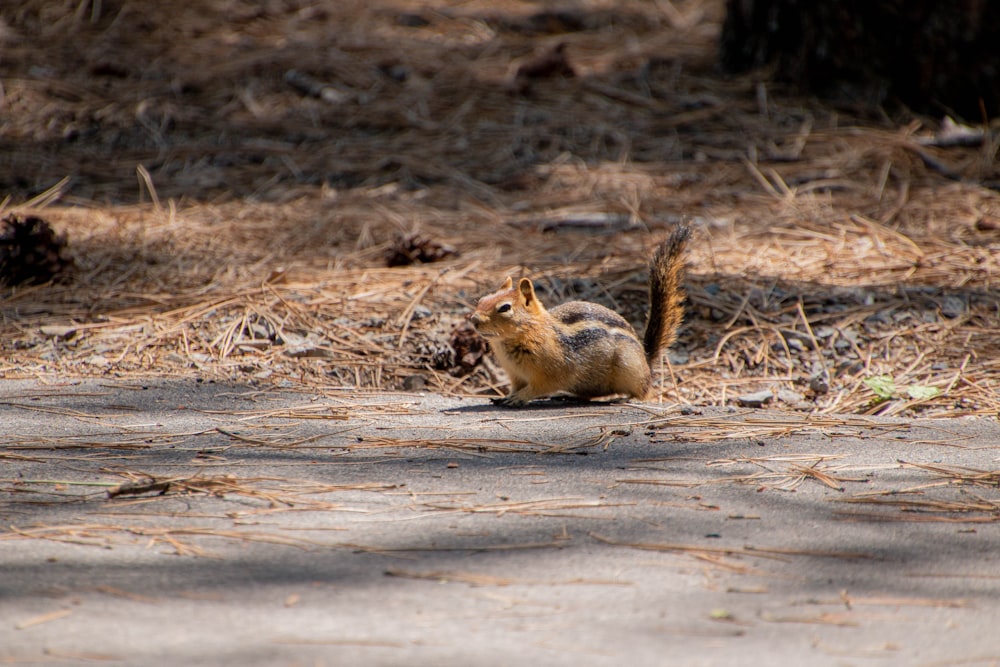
(921, 392)
(882, 385)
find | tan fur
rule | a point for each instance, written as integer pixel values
(579, 348)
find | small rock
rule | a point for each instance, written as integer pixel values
(679, 357)
(96, 360)
(415, 382)
(174, 358)
(789, 396)
(849, 368)
(879, 317)
(755, 400)
(819, 383)
(260, 331)
(952, 307)
(307, 352)
(823, 331)
(58, 331)
(252, 344)
(300, 347)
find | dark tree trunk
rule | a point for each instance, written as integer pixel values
(933, 55)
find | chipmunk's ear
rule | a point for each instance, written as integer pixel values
(507, 284)
(527, 291)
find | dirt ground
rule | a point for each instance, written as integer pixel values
(232, 178)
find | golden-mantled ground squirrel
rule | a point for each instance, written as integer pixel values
(579, 348)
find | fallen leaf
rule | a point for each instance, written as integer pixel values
(922, 393)
(883, 385)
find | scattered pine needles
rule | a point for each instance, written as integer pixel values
(231, 203)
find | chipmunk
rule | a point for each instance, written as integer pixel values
(579, 348)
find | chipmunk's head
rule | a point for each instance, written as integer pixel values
(506, 311)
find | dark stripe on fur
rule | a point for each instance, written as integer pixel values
(582, 338)
(606, 317)
(627, 337)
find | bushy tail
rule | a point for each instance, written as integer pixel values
(666, 294)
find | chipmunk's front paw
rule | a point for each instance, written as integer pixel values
(509, 402)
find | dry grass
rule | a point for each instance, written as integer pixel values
(228, 224)
(783, 473)
(955, 494)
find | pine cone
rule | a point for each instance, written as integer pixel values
(31, 252)
(415, 248)
(469, 347)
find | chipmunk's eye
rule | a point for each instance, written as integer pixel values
(503, 307)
